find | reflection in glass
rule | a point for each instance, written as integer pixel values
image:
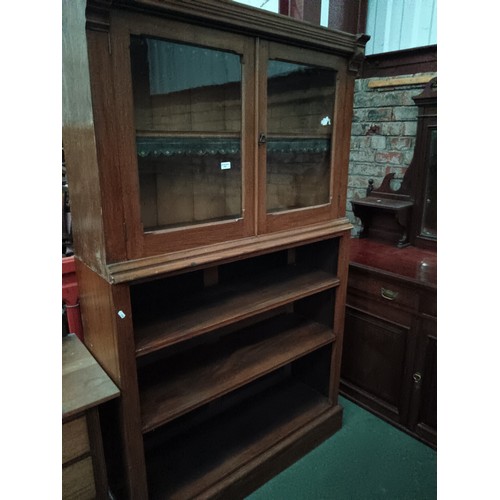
(429, 219)
(187, 107)
(299, 126)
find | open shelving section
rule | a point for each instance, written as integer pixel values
(231, 366)
(216, 307)
(189, 462)
(233, 361)
(188, 383)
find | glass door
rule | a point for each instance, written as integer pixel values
(300, 100)
(188, 110)
(191, 89)
(296, 134)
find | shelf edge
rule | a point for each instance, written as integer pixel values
(200, 257)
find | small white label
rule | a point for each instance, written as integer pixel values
(121, 314)
(225, 165)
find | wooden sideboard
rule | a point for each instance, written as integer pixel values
(390, 336)
(85, 386)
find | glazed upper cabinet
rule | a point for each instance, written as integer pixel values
(210, 127)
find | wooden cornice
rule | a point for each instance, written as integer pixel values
(240, 18)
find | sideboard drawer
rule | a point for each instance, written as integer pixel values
(382, 289)
(75, 439)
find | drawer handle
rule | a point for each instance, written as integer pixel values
(388, 294)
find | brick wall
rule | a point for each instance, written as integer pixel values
(382, 135)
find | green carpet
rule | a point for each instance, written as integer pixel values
(367, 459)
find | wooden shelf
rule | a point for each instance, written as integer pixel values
(237, 441)
(186, 381)
(383, 203)
(219, 306)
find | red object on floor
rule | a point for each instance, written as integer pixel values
(70, 296)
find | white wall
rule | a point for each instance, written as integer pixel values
(400, 24)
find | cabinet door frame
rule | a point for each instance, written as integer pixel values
(142, 243)
(424, 380)
(335, 207)
(396, 413)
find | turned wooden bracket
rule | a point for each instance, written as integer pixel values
(359, 55)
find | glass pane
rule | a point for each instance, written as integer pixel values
(187, 105)
(429, 219)
(299, 129)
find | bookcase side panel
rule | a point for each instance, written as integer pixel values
(108, 334)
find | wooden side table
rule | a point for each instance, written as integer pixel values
(85, 386)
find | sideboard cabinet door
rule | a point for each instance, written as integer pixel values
(374, 361)
(423, 413)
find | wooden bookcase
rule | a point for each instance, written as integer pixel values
(207, 147)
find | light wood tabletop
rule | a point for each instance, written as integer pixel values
(84, 383)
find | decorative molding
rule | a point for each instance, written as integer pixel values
(241, 18)
(358, 57)
(120, 272)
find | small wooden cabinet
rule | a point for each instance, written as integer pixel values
(85, 386)
(207, 149)
(389, 355)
